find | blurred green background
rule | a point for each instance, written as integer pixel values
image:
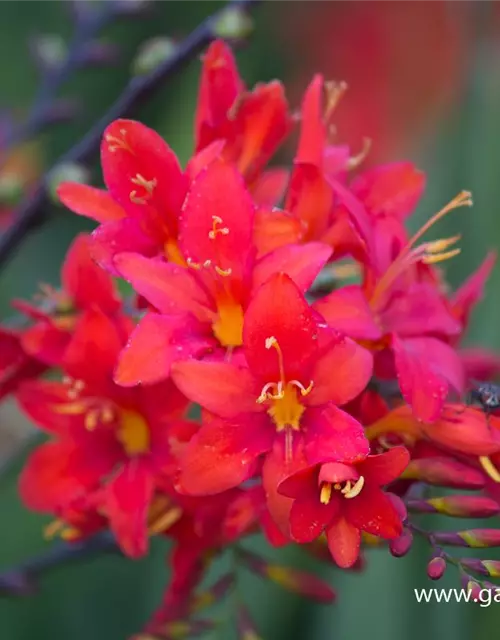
(425, 85)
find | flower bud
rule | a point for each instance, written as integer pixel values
(68, 172)
(436, 568)
(489, 568)
(232, 24)
(400, 546)
(458, 506)
(470, 585)
(245, 625)
(152, 54)
(49, 51)
(473, 538)
(301, 582)
(213, 594)
(444, 472)
(465, 430)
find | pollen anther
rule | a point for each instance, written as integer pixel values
(216, 230)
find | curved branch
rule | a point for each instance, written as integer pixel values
(33, 212)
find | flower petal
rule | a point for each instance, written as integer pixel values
(222, 388)
(309, 517)
(220, 84)
(128, 499)
(168, 287)
(341, 374)
(274, 228)
(270, 186)
(301, 262)
(344, 541)
(472, 290)
(426, 367)
(217, 221)
(374, 512)
(420, 309)
(390, 189)
(85, 281)
(46, 342)
(90, 202)
(156, 342)
(57, 473)
(347, 310)
(223, 454)
(333, 435)
(93, 351)
(383, 468)
(279, 310)
(143, 175)
(120, 236)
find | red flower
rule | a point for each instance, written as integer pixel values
(345, 499)
(111, 447)
(252, 124)
(202, 307)
(15, 364)
(283, 404)
(401, 307)
(145, 189)
(84, 286)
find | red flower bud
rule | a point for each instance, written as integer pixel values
(436, 568)
(473, 538)
(460, 506)
(402, 545)
(444, 472)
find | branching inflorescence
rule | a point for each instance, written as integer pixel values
(283, 302)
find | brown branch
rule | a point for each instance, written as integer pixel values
(34, 212)
(22, 580)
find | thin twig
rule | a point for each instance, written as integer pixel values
(34, 211)
(46, 99)
(22, 580)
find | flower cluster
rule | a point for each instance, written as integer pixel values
(286, 359)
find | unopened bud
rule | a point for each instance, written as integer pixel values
(400, 546)
(214, 594)
(473, 538)
(178, 629)
(68, 172)
(457, 506)
(489, 568)
(246, 627)
(152, 54)
(436, 568)
(301, 582)
(11, 189)
(49, 51)
(232, 24)
(471, 586)
(444, 472)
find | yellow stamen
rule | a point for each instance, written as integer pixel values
(133, 433)
(490, 468)
(353, 491)
(356, 160)
(326, 493)
(165, 521)
(117, 143)
(334, 92)
(216, 230)
(405, 257)
(147, 185)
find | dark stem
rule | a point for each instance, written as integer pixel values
(23, 579)
(86, 30)
(33, 212)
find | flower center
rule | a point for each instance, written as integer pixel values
(173, 253)
(228, 327)
(286, 408)
(347, 489)
(133, 432)
(426, 253)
